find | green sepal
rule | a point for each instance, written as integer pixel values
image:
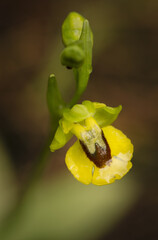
(77, 113)
(105, 115)
(60, 139)
(72, 28)
(54, 99)
(99, 105)
(90, 106)
(66, 125)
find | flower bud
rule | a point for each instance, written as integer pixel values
(72, 28)
(72, 56)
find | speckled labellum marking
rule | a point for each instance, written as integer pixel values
(102, 156)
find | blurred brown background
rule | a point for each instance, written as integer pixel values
(125, 71)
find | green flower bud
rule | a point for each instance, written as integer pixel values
(72, 56)
(72, 28)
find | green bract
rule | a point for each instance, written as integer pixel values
(54, 99)
(103, 115)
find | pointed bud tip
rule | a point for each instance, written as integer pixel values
(52, 76)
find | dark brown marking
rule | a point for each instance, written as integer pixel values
(102, 156)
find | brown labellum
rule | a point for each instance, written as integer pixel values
(102, 156)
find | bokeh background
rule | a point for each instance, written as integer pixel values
(125, 71)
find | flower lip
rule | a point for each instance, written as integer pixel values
(102, 155)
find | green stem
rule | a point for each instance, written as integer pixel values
(75, 98)
(40, 164)
(11, 222)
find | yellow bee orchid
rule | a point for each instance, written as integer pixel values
(102, 153)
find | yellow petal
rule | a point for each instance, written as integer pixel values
(120, 145)
(78, 163)
(121, 151)
(116, 170)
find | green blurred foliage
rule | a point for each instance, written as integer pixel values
(66, 209)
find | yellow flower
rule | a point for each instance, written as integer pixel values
(102, 153)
